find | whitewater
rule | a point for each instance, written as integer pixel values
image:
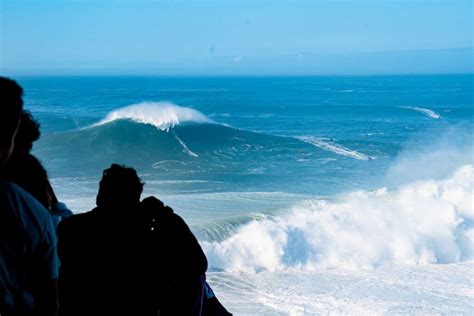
(419, 223)
(162, 115)
(403, 251)
(305, 200)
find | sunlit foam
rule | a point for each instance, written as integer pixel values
(422, 222)
(162, 115)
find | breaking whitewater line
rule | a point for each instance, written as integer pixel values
(162, 115)
(334, 148)
(421, 222)
(430, 113)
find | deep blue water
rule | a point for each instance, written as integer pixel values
(290, 137)
(281, 178)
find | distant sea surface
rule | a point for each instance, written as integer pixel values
(279, 177)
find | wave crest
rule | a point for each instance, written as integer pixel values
(423, 222)
(162, 115)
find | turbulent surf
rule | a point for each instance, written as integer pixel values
(305, 199)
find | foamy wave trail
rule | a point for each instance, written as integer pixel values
(430, 113)
(422, 222)
(185, 147)
(162, 115)
(334, 147)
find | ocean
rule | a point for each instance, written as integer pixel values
(330, 194)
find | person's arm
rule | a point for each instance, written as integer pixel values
(191, 253)
(46, 290)
(188, 254)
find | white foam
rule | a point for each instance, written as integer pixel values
(430, 113)
(162, 115)
(430, 289)
(422, 222)
(185, 147)
(334, 147)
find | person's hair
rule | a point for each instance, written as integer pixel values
(11, 102)
(11, 105)
(28, 132)
(120, 187)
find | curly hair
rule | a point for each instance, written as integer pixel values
(120, 186)
(11, 102)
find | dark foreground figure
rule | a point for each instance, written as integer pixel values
(25, 170)
(28, 260)
(129, 258)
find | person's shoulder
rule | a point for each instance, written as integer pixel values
(20, 200)
(37, 222)
(152, 203)
(9, 188)
(151, 207)
(77, 221)
(73, 227)
(177, 219)
(62, 210)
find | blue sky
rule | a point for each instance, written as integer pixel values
(227, 36)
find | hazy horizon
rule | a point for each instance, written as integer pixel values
(282, 37)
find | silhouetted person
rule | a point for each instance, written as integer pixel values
(129, 257)
(26, 170)
(28, 258)
(28, 133)
(211, 305)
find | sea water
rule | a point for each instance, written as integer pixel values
(298, 188)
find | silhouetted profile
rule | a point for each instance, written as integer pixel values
(129, 257)
(211, 305)
(26, 170)
(28, 258)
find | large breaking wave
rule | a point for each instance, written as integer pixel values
(422, 222)
(148, 133)
(162, 115)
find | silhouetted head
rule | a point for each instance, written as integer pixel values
(11, 105)
(28, 132)
(120, 187)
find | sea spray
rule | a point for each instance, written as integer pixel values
(422, 222)
(431, 156)
(162, 115)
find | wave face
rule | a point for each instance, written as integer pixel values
(122, 138)
(422, 222)
(192, 151)
(161, 137)
(162, 115)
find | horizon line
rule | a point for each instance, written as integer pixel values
(190, 75)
